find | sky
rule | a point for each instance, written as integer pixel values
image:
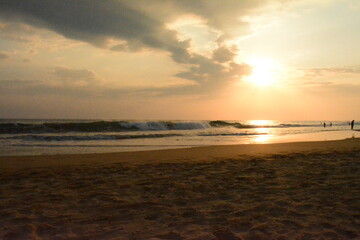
(180, 59)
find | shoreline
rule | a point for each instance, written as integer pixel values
(51, 147)
(194, 154)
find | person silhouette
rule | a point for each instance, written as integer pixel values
(352, 124)
(330, 124)
(324, 124)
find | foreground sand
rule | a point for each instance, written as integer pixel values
(277, 191)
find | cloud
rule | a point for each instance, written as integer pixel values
(75, 82)
(93, 21)
(226, 16)
(329, 79)
(318, 72)
(58, 81)
(29, 38)
(17, 32)
(137, 25)
(223, 54)
(127, 47)
(75, 76)
(211, 74)
(4, 55)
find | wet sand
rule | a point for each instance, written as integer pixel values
(307, 190)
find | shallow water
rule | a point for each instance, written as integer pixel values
(36, 137)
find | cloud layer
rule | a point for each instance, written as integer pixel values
(4, 55)
(137, 25)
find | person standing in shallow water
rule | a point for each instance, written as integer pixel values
(352, 124)
(324, 124)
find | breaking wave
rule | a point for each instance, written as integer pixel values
(124, 126)
(230, 134)
(99, 126)
(88, 138)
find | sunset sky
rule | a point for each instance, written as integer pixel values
(180, 59)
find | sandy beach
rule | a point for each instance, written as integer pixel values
(308, 190)
(179, 120)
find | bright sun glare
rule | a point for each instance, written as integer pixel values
(263, 72)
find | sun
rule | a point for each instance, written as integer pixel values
(263, 71)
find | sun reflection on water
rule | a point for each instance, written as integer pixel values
(261, 123)
(263, 131)
(262, 138)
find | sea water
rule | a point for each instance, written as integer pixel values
(36, 137)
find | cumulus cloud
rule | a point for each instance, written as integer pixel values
(210, 73)
(136, 25)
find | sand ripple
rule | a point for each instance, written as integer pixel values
(290, 196)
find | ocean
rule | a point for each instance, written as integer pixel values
(38, 137)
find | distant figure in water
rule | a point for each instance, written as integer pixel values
(330, 124)
(324, 124)
(352, 124)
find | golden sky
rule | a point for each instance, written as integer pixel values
(180, 59)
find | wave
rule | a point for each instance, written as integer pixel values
(51, 126)
(59, 138)
(105, 145)
(230, 134)
(99, 126)
(220, 123)
(286, 125)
